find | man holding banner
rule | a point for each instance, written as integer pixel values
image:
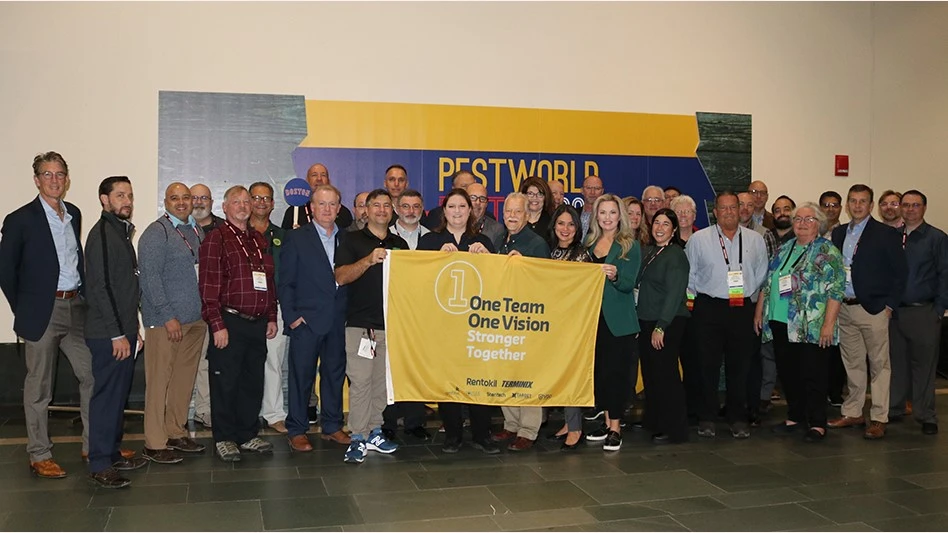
(358, 265)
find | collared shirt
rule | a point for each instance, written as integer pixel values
(365, 293)
(926, 251)
(411, 237)
(175, 221)
(228, 259)
(526, 242)
(774, 241)
(708, 273)
(329, 240)
(67, 248)
(758, 218)
(850, 244)
(584, 218)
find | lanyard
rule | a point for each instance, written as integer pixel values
(740, 250)
(904, 237)
(196, 234)
(644, 268)
(799, 258)
(243, 248)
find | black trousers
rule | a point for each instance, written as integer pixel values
(235, 376)
(452, 414)
(754, 379)
(690, 358)
(803, 371)
(837, 374)
(725, 334)
(615, 357)
(113, 382)
(665, 410)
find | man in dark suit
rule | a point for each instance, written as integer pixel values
(876, 271)
(42, 275)
(314, 311)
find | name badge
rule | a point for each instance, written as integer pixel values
(366, 348)
(635, 294)
(735, 288)
(197, 271)
(259, 281)
(849, 275)
(785, 285)
(690, 304)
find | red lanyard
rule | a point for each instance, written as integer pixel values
(185, 239)
(740, 250)
(243, 248)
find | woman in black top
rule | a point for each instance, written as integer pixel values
(458, 234)
(539, 205)
(566, 244)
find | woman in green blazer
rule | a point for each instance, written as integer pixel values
(612, 244)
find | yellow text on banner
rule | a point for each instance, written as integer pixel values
(490, 329)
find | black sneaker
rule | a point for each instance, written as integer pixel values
(739, 430)
(185, 444)
(110, 479)
(594, 413)
(312, 414)
(451, 446)
(600, 434)
(134, 463)
(613, 442)
(487, 446)
(162, 457)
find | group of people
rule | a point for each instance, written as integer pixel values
(226, 302)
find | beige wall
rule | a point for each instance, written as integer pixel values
(83, 79)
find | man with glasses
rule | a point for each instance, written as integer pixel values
(653, 199)
(360, 213)
(592, 189)
(831, 203)
(875, 283)
(203, 202)
(758, 190)
(746, 213)
(890, 209)
(484, 223)
(558, 191)
(294, 217)
(671, 192)
(42, 274)
(271, 410)
(915, 330)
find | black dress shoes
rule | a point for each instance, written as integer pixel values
(929, 428)
(661, 438)
(554, 437)
(572, 447)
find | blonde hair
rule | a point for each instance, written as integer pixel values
(624, 235)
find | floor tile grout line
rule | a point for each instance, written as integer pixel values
(805, 508)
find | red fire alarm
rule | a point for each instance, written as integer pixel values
(842, 165)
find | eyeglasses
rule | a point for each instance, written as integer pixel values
(681, 212)
(50, 175)
(257, 198)
(654, 200)
(808, 220)
(758, 192)
(535, 195)
(413, 207)
(890, 204)
(829, 205)
(203, 198)
(477, 199)
(915, 205)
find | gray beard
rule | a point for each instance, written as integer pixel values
(200, 213)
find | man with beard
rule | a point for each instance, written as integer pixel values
(294, 217)
(485, 224)
(890, 209)
(783, 226)
(202, 201)
(758, 190)
(360, 213)
(111, 330)
(653, 199)
(592, 189)
(746, 213)
(559, 192)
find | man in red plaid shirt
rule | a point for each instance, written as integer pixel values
(238, 302)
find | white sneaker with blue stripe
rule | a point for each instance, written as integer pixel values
(356, 452)
(378, 442)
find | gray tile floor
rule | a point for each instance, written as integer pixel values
(765, 483)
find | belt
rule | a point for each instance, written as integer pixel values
(851, 301)
(66, 295)
(244, 316)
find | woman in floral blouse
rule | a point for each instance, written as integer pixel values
(797, 308)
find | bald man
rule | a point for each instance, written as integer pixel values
(294, 217)
(203, 202)
(174, 330)
(758, 190)
(559, 192)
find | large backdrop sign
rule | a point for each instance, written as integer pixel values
(490, 329)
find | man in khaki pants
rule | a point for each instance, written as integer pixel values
(174, 331)
(875, 279)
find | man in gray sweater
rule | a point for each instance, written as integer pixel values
(174, 330)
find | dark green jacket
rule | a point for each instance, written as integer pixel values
(274, 236)
(662, 285)
(618, 303)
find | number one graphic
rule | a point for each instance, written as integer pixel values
(458, 300)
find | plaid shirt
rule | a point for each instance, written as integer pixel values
(227, 259)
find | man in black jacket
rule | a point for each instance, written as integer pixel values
(41, 273)
(111, 330)
(876, 271)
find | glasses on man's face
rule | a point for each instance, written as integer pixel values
(805, 220)
(758, 192)
(914, 205)
(535, 195)
(893, 205)
(202, 198)
(830, 205)
(653, 200)
(478, 199)
(257, 198)
(412, 207)
(50, 175)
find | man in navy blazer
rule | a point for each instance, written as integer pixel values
(876, 273)
(42, 275)
(314, 312)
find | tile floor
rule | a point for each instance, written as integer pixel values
(765, 483)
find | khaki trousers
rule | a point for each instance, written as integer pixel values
(367, 389)
(859, 334)
(170, 369)
(524, 421)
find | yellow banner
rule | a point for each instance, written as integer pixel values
(490, 329)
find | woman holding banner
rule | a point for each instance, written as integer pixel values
(566, 244)
(458, 234)
(539, 204)
(663, 314)
(612, 244)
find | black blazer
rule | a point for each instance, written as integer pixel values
(29, 267)
(879, 269)
(307, 283)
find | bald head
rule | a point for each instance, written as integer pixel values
(558, 191)
(202, 202)
(758, 190)
(317, 174)
(478, 194)
(462, 179)
(178, 201)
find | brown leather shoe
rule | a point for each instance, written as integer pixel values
(846, 422)
(520, 444)
(300, 443)
(279, 426)
(126, 454)
(48, 469)
(339, 437)
(876, 430)
(502, 435)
